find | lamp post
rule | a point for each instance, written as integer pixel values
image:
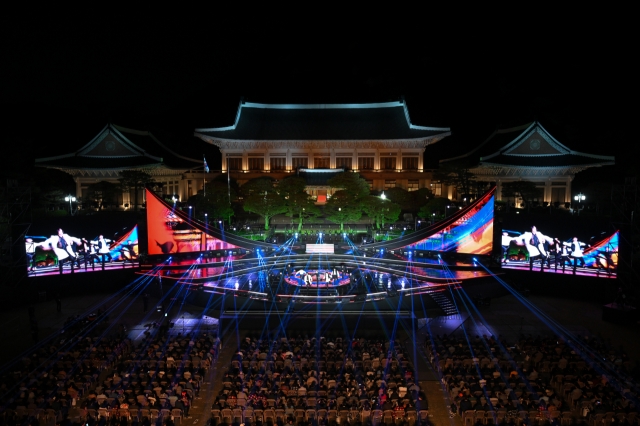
(579, 198)
(70, 199)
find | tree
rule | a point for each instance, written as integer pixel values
(352, 183)
(297, 201)
(134, 180)
(456, 175)
(259, 186)
(340, 209)
(420, 197)
(102, 193)
(381, 211)
(435, 208)
(302, 206)
(266, 205)
(216, 202)
(526, 190)
(400, 196)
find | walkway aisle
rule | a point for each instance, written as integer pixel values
(201, 409)
(439, 405)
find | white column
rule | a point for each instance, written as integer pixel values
(289, 165)
(245, 160)
(332, 158)
(421, 160)
(499, 190)
(547, 191)
(354, 160)
(399, 160)
(224, 160)
(267, 161)
(78, 188)
(376, 160)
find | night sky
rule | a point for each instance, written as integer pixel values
(64, 79)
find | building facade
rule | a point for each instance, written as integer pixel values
(377, 140)
(529, 153)
(116, 148)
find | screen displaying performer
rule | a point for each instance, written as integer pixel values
(171, 231)
(535, 250)
(64, 252)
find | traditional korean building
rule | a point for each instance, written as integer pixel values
(116, 148)
(529, 153)
(377, 140)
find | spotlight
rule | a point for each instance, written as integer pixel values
(296, 235)
(402, 284)
(320, 234)
(206, 214)
(237, 285)
(250, 285)
(389, 284)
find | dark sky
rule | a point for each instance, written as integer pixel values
(76, 75)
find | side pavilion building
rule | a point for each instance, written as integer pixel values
(529, 153)
(377, 140)
(116, 148)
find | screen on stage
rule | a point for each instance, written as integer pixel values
(64, 251)
(536, 250)
(472, 233)
(320, 248)
(171, 231)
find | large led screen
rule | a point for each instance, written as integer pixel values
(535, 250)
(171, 231)
(65, 251)
(471, 233)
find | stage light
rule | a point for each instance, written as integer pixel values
(402, 284)
(320, 234)
(475, 260)
(250, 285)
(296, 235)
(189, 208)
(206, 214)
(389, 284)
(237, 285)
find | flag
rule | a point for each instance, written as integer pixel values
(206, 167)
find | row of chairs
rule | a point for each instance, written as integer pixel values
(135, 413)
(472, 417)
(273, 416)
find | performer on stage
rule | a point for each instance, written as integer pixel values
(535, 243)
(562, 254)
(576, 252)
(605, 260)
(103, 247)
(30, 248)
(62, 245)
(506, 242)
(90, 253)
(129, 252)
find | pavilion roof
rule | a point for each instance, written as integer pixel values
(117, 147)
(278, 122)
(529, 145)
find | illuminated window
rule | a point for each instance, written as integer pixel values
(412, 185)
(436, 188)
(387, 163)
(409, 163)
(322, 163)
(343, 162)
(365, 163)
(234, 163)
(278, 163)
(388, 184)
(299, 162)
(256, 163)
